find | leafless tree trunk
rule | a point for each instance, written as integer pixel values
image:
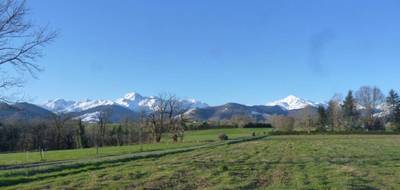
(101, 130)
(20, 43)
(306, 120)
(143, 122)
(175, 118)
(181, 132)
(59, 122)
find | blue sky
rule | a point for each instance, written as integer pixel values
(220, 51)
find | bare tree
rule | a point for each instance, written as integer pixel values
(167, 115)
(142, 123)
(141, 135)
(369, 98)
(101, 129)
(335, 116)
(282, 123)
(59, 123)
(176, 118)
(306, 120)
(158, 117)
(21, 43)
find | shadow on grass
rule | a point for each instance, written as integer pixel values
(23, 176)
(14, 181)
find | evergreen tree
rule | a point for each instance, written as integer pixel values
(82, 134)
(350, 113)
(393, 102)
(322, 119)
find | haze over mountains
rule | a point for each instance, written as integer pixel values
(131, 104)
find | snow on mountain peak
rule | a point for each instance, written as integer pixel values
(292, 102)
(57, 105)
(87, 104)
(90, 117)
(133, 101)
(133, 96)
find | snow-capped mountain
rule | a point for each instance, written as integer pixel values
(65, 106)
(57, 105)
(293, 103)
(137, 102)
(133, 101)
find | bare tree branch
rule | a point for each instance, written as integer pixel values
(21, 43)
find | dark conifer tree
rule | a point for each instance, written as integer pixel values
(350, 112)
(393, 102)
(322, 119)
(82, 134)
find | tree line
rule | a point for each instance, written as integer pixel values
(368, 109)
(65, 132)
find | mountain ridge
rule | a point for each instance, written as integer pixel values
(128, 107)
(133, 101)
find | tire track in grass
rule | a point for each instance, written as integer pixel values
(59, 162)
(22, 176)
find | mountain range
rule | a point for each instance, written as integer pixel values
(131, 104)
(132, 101)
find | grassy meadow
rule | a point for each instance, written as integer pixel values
(191, 138)
(276, 162)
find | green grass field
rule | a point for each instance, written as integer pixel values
(191, 138)
(277, 162)
(212, 134)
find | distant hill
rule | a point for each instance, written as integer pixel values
(259, 113)
(230, 110)
(24, 112)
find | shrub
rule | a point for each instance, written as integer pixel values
(257, 125)
(223, 137)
